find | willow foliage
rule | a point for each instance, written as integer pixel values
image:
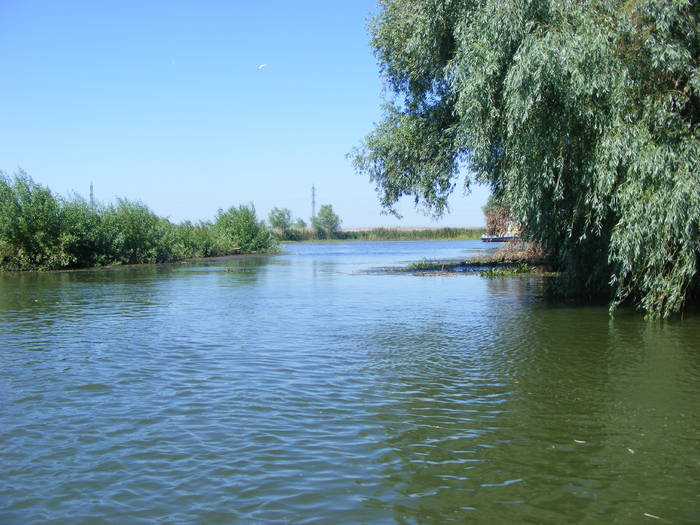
(583, 116)
(43, 231)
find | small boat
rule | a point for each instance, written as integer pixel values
(499, 238)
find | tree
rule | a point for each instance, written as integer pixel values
(498, 220)
(582, 116)
(326, 222)
(281, 222)
(280, 219)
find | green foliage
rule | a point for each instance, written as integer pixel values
(425, 265)
(284, 228)
(326, 222)
(83, 235)
(238, 230)
(498, 218)
(493, 273)
(39, 231)
(420, 234)
(30, 225)
(582, 116)
(194, 241)
(280, 219)
(491, 204)
(134, 233)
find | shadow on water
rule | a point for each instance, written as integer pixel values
(549, 413)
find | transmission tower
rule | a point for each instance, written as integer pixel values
(313, 201)
(92, 197)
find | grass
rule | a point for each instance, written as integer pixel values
(494, 273)
(385, 234)
(427, 265)
(412, 234)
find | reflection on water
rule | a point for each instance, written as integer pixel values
(298, 388)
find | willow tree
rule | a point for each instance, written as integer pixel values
(583, 116)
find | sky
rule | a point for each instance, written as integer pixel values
(164, 102)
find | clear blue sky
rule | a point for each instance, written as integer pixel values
(163, 102)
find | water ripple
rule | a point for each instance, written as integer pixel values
(294, 390)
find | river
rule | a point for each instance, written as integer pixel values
(302, 388)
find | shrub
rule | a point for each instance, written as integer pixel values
(134, 232)
(194, 241)
(39, 231)
(30, 226)
(82, 234)
(238, 230)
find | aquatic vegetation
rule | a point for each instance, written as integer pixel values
(426, 264)
(506, 271)
(511, 259)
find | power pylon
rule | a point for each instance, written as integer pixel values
(313, 201)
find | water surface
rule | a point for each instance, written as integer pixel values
(300, 388)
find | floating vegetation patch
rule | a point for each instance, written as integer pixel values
(494, 273)
(504, 262)
(427, 265)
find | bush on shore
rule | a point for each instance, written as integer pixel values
(43, 231)
(238, 229)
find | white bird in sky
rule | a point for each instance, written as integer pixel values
(262, 66)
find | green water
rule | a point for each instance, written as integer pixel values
(301, 388)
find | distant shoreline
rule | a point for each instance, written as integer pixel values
(412, 228)
(397, 234)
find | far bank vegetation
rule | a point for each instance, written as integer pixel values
(326, 227)
(43, 231)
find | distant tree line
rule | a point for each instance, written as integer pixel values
(414, 234)
(324, 225)
(42, 231)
